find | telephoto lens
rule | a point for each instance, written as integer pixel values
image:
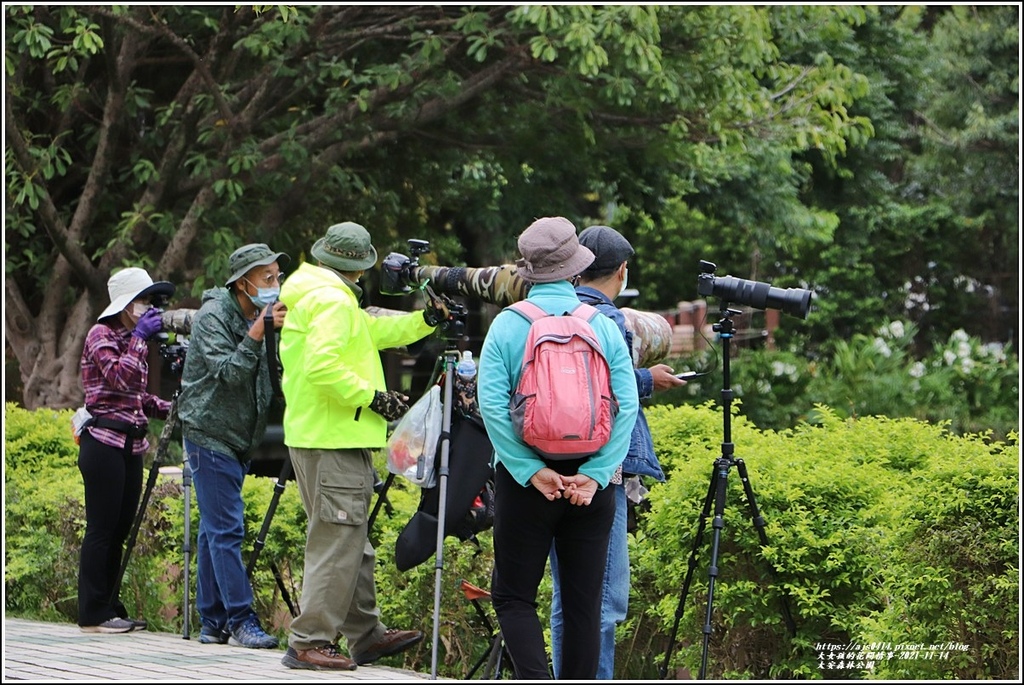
(794, 301)
(178, 320)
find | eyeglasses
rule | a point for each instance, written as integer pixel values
(268, 279)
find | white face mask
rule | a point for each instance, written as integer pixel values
(625, 280)
(137, 310)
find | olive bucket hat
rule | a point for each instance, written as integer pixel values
(346, 247)
(253, 254)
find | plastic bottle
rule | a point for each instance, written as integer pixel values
(466, 367)
(465, 384)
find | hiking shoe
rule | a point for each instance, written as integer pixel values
(138, 623)
(113, 625)
(251, 634)
(391, 642)
(325, 658)
(213, 636)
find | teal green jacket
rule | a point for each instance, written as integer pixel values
(226, 393)
(498, 374)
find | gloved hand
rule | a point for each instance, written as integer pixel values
(391, 405)
(436, 311)
(149, 324)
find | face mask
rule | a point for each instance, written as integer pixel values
(264, 296)
(137, 310)
(625, 280)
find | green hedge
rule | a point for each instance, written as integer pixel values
(884, 532)
(880, 532)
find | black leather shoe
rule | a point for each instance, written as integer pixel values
(393, 641)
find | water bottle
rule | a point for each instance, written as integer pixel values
(465, 384)
(466, 367)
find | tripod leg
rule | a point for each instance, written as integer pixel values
(292, 609)
(442, 478)
(477, 665)
(158, 459)
(261, 537)
(692, 565)
(382, 498)
(722, 466)
(133, 535)
(186, 482)
(758, 520)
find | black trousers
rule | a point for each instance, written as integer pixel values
(113, 484)
(525, 524)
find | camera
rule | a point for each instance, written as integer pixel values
(174, 356)
(398, 272)
(794, 301)
(399, 276)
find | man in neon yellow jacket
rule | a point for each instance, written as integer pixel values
(337, 410)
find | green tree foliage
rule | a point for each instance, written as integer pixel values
(165, 136)
(929, 207)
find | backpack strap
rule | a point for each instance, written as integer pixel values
(531, 312)
(585, 311)
(528, 310)
(272, 363)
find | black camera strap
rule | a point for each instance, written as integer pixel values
(272, 363)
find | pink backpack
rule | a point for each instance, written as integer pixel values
(563, 407)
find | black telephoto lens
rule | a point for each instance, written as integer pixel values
(793, 301)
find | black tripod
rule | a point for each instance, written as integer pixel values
(448, 361)
(159, 459)
(716, 493)
(261, 538)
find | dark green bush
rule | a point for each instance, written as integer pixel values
(879, 531)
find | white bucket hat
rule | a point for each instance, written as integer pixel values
(129, 284)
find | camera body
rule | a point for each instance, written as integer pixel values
(398, 272)
(399, 276)
(794, 301)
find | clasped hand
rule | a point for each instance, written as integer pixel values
(578, 489)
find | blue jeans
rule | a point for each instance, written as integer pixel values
(223, 593)
(614, 593)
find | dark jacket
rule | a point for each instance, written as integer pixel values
(641, 459)
(225, 384)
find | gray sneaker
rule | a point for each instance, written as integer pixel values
(251, 634)
(113, 625)
(213, 636)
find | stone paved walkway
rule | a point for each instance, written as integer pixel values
(34, 651)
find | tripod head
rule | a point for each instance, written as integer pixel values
(174, 355)
(452, 328)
